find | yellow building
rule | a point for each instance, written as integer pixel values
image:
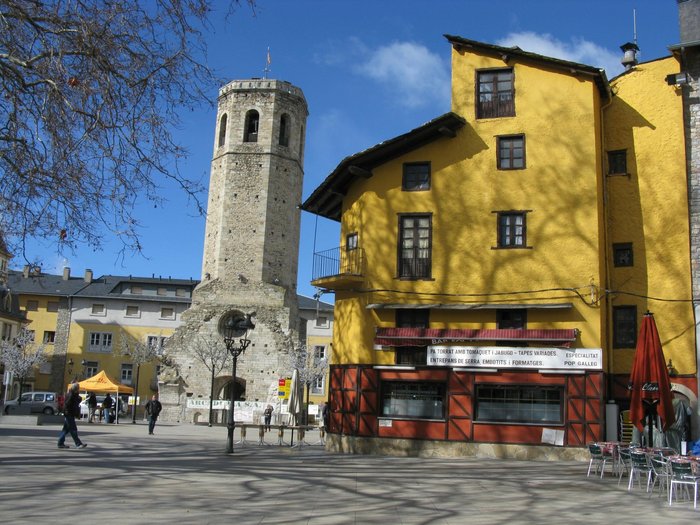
(90, 324)
(475, 274)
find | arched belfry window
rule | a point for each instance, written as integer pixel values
(252, 120)
(222, 130)
(284, 130)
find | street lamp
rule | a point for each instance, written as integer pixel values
(234, 327)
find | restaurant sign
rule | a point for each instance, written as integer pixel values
(547, 358)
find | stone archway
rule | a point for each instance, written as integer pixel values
(222, 387)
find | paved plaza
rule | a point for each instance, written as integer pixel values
(182, 475)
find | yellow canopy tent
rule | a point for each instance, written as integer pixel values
(102, 383)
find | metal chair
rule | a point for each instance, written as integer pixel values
(640, 467)
(662, 474)
(598, 459)
(624, 462)
(682, 474)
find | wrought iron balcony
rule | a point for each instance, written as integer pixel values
(338, 268)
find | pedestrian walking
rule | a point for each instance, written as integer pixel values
(268, 417)
(92, 407)
(153, 408)
(71, 410)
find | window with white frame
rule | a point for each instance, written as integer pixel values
(91, 368)
(127, 373)
(156, 342)
(167, 313)
(98, 309)
(132, 311)
(322, 321)
(319, 352)
(318, 386)
(100, 342)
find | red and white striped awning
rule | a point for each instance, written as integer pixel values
(440, 336)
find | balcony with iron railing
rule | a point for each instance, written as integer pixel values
(338, 268)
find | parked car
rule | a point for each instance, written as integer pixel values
(38, 403)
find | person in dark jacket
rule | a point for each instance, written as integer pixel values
(71, 410)
(153, 408)
(92, 407)
(107, 404)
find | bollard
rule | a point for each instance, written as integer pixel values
(280, 435)
(261, 435)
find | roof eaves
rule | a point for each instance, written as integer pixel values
(574, 68)
(326, 199)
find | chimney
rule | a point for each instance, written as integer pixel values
(629, 60)
(25, 271)
(689, 20)
(88, 276)
(66, 273)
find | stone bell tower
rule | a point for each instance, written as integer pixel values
(251, 246)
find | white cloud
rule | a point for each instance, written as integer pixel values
(416, 76)
(577, 50)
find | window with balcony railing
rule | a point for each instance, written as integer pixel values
(415, 250)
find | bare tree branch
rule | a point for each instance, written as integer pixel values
(91, 91)
(22, 356)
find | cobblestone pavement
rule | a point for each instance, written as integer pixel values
(182, 475)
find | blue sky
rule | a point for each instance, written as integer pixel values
(370, 70)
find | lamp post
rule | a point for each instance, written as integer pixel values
(234, 327)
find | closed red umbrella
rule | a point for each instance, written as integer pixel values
(649, 381)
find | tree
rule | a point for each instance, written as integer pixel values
(21, 356)
(139, 352)
(212, 353)
(310, 368)
(91, 90)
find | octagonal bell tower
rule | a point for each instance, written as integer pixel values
(251, 243)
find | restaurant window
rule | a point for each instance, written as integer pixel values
(511, 152)
(411, 355)
(617, 162)
(624, 326)
(519, 404)
(495, 93)
(516, 318)
(416, 176)
(252, 120)
(413, 400)
(415, 232)
(623, 254)
(512, 230)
